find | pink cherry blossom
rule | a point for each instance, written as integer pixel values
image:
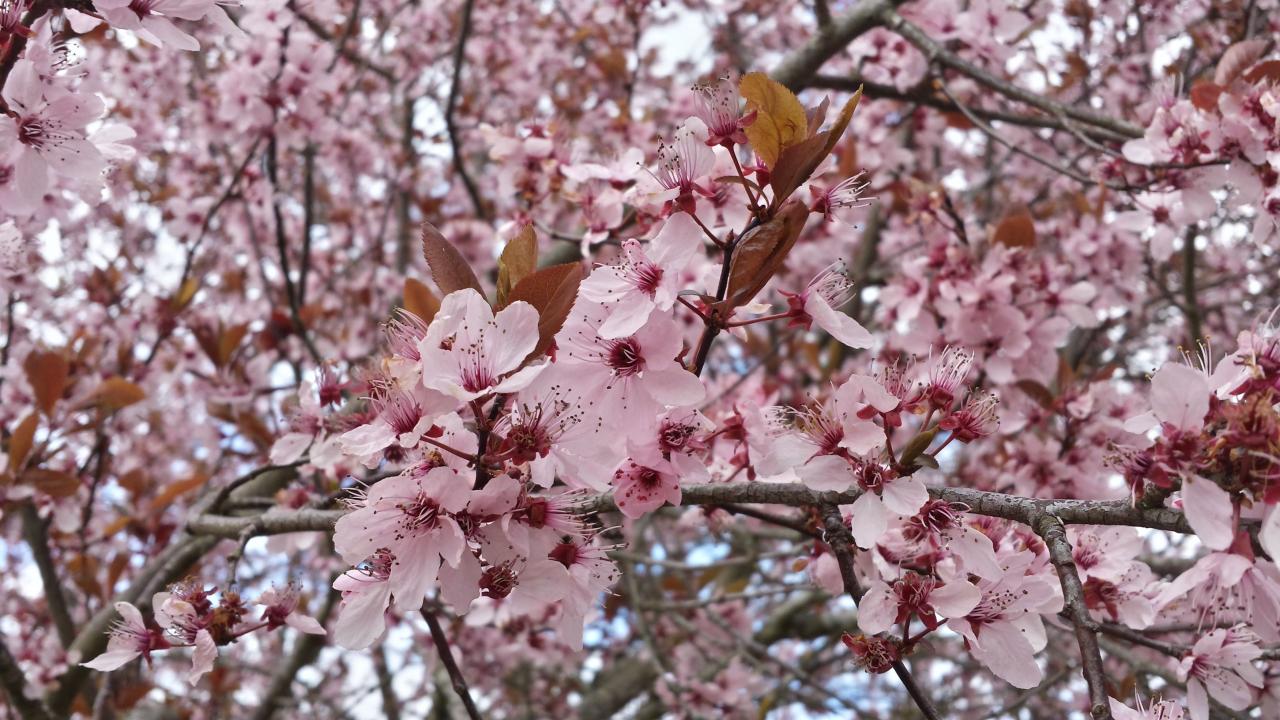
(1004, 630)
(153, 19)
(1159, 710)
(630, 377)
(130, 639)
(647, 278)
(469, 352)
(926, 598)
(645, 484)
(820, 303)
(48, 132)
(1220, 665)
(718, 108)
(409, 516)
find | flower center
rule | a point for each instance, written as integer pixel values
(421, 515)
(32, 132)
(624, 357)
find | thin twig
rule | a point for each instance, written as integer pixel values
(451, 127)
(446, 657)
(841, 542)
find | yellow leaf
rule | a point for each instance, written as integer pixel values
(115, 393)
(419, 300)
(519, 259)
(185, 293)
(780, 118)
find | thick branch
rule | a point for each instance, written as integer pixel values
(923, 95)
(797, 70)
(14, 683)
(36, 533)
(979, 502)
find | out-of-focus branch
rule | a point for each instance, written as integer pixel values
(292, 293)
(455, 91)
(1190, 296)
(306, 649)
(841, 542)
(797, 70)
(390, 703)
(14, 683)
(934, 52)
(323, 33)
(35, 531)
(922, 95)
(1054, 534)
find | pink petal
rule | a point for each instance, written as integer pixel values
(1209, 510)
(1180, 396)
(869, 520)
(839, 325)
(202, 660)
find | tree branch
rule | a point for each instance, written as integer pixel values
(1054, 533)
(936, 53)
(979, 502)
(446, 657)
(14, 683)
(841, 542)
(36, 533)
(455, 90)
(797, 70)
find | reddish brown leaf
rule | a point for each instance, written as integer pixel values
(1015, 229)
(21, 442)
(449, 269)
(228, 341)
(761, 252)
(53, 483)
(551, 291)
(796, 164)
(519, 259)
(1041, 394)
(1237, 59)
(842, 120)
(47, 372)
(419, 300)
(1269, 71)
(135, 481)
(175, 490)
(1204, 95)
(115, 393)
